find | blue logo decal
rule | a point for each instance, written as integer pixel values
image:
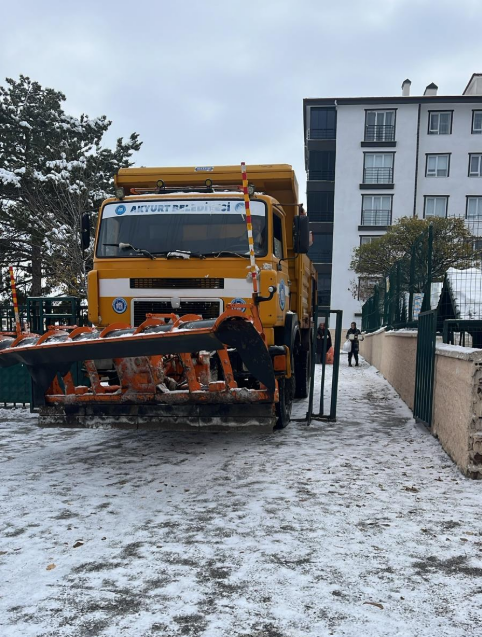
(240, 302)
(282, 294)
(240, 207)
(120, 305)
(120, 209)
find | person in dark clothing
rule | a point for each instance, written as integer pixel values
(353, 335)
(320, 335)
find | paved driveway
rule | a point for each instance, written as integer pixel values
(359, 528)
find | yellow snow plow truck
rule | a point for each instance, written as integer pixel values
(200, 302)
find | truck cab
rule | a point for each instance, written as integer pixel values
(174, 240)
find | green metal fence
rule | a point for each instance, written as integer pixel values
(37, 314)
(405, 291)
(425, 365)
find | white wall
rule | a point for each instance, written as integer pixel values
(460, 143)
(348, 195)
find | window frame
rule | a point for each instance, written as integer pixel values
(425, 197)
(370, 152)
(479, 155)
(479, 199)
(472, 130)
(283, 239)
(381, 110)
(427, 155)
(440, 111)
(369, 236)
(362, 225)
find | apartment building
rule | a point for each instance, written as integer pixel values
(372, 160)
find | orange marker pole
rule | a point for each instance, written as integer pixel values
(18, 327)
(249, 226)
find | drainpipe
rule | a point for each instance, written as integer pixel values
(416, 163)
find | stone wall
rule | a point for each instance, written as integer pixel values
(457, 406)
(394, 354)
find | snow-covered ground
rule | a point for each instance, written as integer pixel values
(361, 528)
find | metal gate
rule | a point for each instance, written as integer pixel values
(425, 367)
(322, 414)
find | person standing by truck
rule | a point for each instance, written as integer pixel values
(321, 334)
(354, 336)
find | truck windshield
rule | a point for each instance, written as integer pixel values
(202, 226)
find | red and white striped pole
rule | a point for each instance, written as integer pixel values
(18, 327)
(249, 226)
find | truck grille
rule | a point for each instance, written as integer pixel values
(206, 283)
(207, 309)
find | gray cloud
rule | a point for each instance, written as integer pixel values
(223, 81)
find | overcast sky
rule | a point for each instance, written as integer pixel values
(222, 81)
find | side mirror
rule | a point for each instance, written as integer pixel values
(301, 235)
(85, 238)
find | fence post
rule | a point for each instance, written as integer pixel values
(426, 304)
(411, 284)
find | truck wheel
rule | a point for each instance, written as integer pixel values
(302, 373)
(286, 389)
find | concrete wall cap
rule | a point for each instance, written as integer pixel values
(462, 353)
(403, 333)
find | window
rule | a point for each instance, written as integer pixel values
(378, 168)
(322, 248)
(321, 205)
(435, 206)
(475, 165)
(365, 240)
(322, 165)
(440, 122)
(437, 166)
(322, 123)
(324, 289)
(376, 210)
(380, 126)
(476, 122)
(474, 208)
(277, 237)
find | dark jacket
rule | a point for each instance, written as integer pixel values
(355, 345)
(319, 339)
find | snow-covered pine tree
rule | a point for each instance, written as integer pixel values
(53, 168)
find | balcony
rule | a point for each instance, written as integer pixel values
(377, 178)
(322, 133)
(320, 217)
(319, 255)
(322, 175)
(378, 133)
(376, 218)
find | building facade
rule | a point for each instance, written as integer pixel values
(372, 160)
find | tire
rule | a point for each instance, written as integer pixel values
(302, 373)
(286, 387)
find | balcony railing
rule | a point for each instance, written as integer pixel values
(322, 175)
(324, 298)
(375, 133)
(376, 218)
(320, 256)
(378, 176)
(322, 133)
(317, 215)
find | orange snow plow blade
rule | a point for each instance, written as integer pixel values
(168, 373)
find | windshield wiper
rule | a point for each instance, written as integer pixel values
(227, 253)
(180, 254)
(128, 246)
